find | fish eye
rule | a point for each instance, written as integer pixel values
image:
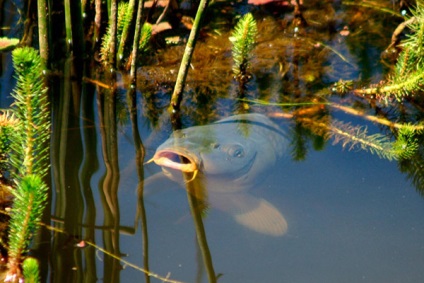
(236, 151)
(215, 145)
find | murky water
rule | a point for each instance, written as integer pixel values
(351, 216)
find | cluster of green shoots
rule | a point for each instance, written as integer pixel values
(24, 142)
(408, 74)
(403, 147)
(125, 16)
(243, 39)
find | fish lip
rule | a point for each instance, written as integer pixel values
(167, 158)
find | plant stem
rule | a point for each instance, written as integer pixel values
(138, 26)
(68, 25)
(113, 29)
(124, 37)
(185, 62)
(43, 37)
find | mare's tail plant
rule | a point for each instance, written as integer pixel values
(30, 270)
(125, 16)
(408, 74)
(28, 155)
(243, 39)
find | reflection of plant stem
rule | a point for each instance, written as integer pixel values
(185, 62)
(125, 262)
(110, 180)
(346, 109)
(378, 120)
(195, 208)
(139, 159)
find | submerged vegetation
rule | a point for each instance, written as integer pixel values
(297, 74)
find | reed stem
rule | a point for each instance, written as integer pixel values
(43, 34)
(188, 53)
(138, 25)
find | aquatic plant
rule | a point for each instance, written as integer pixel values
(408, 74)
(243, 39)
(124, 22)
(28, 154)
(8, 122)
(30, 200)
(28, 144)
(145, 35)
(30, 270)
(108, 36)
(43, 31)
(188, 53)
(126, 25)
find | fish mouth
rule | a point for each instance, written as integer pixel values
(177, 159)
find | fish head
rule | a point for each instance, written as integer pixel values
(210, 150)
(233, 154)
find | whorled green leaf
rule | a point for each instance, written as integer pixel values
(29, 149)
(243, 39)
(29, 203)
(30, 268)
(145, 35)
(353, 137)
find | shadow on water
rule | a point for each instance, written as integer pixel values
(337, 216)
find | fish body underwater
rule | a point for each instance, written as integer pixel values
(230, 156)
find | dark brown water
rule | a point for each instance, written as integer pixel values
(351, 216)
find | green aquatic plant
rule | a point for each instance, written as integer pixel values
(28, 154)
(177, 94)
(125, 16)
(406, 144)
(407, 77)
(352, 137)
(30, 270)
(30, 200)
(122, 21)
(145, 35)
(8, 123)
(129, 15)
(243, 39)
(28, 145)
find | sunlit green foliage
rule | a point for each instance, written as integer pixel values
(404, 147)
(145, 35)
(30, 197)
(406, 144)
(408, 75)
(30, 152)
(124, 20)
(30, 270)
(357, 137)
(7, 129)
(243, 39)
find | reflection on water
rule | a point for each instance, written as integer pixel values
(346, 216)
